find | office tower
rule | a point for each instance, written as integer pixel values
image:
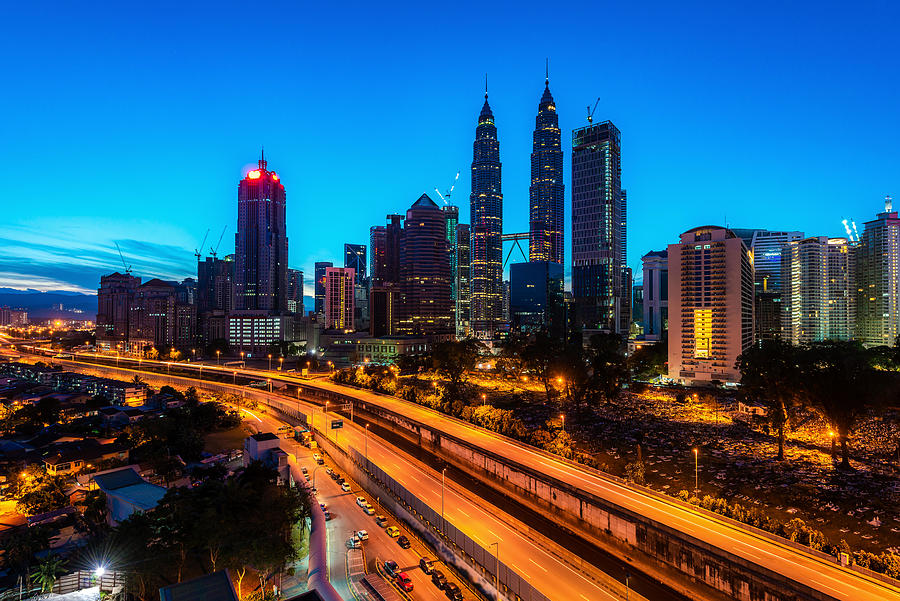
(598, 224)
(536, 299)
(320, 268)
(656, 294)
(115, 298)
(637, 308)
(547, 192)
(295, 291)
(486, 212)
(451, 217)
(393, 232)
(153, 316)
(463, 281)
(383, 302)
(378, 254)
(425, 275)
(878, 279)
(215, 278)
(711, 300)
(505, 302)
(339, 298)
(766, 246)
(355, 258)
(817, 290)
(261, 244)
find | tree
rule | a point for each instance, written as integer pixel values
(47, 572)
(838, 378)
(649, 361)
(770, 373)
(609, 369)
(511, 360)
(541, 356)
(41, 494)
(454, 359)
(137, 380)
(93, 511)
(21, 545)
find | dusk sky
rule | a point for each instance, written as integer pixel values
(133, 122)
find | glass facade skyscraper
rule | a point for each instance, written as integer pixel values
(547, 192)
(321, 266)
(355, 258)
(486, 204)
(598, 228)
(261, 244)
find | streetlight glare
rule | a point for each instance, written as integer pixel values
(99, 571)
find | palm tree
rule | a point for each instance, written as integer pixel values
(137, 380)
(46, 573)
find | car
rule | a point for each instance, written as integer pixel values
(327, 515)
(323, 505)
(391, 568)
(438, 578)
(341, 479)
(392, 531)
(427, 565)
(381, 521)
(452, 591)
(334, 476)
(329, 471)
(361, 501)
(362, 535)
(318, 459)
(353, 543)
(304, 470)
(403, 581)
(404, 542)
(345, 487)
(369, 509)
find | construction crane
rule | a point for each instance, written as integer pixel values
(215, 250)
(446, 197)
(591, 112)
(121, 256)
(198, 252)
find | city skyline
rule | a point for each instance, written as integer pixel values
(742, 180)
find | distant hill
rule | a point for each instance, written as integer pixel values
(55, 304)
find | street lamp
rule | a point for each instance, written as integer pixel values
(280, 363)
(833, 447)
(562, 416)
(234, 378)
(269, 382)
(201, 372)
(696, 469)
(217, 356)
(497, 567)
(168, 368)
(483, 399)
(270, 361)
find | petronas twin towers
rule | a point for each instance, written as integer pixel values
(546, 211)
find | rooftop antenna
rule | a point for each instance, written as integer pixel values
(547, 72)
(215, 250)
(446, 196)
(198, 252)
(591, 112)
(485, 86)
(887, 203)
(121, 256)
(262, 157)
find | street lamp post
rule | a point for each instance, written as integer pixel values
(483, 399)
(201, 372)
(833, 446)
(218, 353)
(696, 469)
(270, 361)
(496, 568)
(280, 363)
(562, 416)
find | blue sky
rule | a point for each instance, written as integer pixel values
(133, 122)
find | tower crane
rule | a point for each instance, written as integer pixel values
(198, 252)
(591, 112)
(215, 250)
(446, 197)
(121, 256)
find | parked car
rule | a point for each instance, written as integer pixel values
(327, 515)
(452, 591)
(318, 459)
(304, 470)
(353, 543)
(361, 501)
(345, 487)
(329, 471)
(427, 565)
(392, 531)
(334, 476)
(438, 578)
(369, 509)
(404, 542)
(391, 568)
(381, 521)
(324, 506)
(403, 581)
(362, 535)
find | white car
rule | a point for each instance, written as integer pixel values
(362, 535)
(361, 501)
(345, 487)
(353, 543)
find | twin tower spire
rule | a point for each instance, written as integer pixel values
(546, 207)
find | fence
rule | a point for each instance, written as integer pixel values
(510, 583)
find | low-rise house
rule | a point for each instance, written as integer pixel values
(71, 457)
(126, 493)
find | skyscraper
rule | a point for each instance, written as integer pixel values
(115, 301)
(598, 226)
(320, 268)
(295, 291)
(878, 279)
(711, 302)
(463, 281)
(547, 192)
(377, 254)
(339, 298)
(767, 247)
(451, 216)
(486, 212)
(817, 290)
(425, 277)
(536, 298)
(656, 294)
(261, 244)
(355, 258)
(394, 230)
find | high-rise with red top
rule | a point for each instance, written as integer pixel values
(261, 244)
